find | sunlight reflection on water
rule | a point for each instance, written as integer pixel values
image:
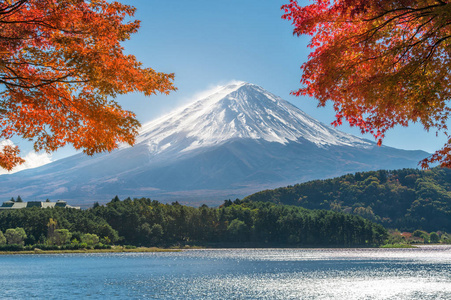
(423, 273)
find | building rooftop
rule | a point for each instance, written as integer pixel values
(42, 204)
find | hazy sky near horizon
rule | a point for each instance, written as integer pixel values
(210, 43)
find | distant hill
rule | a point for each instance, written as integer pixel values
(406, 199)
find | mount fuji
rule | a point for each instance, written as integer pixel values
(239, 140)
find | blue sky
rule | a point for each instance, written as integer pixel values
(209, 43)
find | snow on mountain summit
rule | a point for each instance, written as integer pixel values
(238, 140)
(239, 110)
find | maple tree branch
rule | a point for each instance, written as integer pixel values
(43, 82)
(436, 44)
(12, 8)
(408, 9)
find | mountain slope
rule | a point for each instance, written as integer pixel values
(237, 141)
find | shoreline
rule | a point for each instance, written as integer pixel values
(120, 249)
(89, 251)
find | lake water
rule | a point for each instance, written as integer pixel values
(422, 273)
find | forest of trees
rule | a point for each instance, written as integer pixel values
(342, 211)
(143, 222)
(407, 199)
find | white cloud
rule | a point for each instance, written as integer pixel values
(185, 102)
(212, 89)
(5, 143)
(32, 159)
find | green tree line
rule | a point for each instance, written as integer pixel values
(146, 222)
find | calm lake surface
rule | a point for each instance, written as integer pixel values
(422, 273)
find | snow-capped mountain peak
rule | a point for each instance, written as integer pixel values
(238, 140)
(239, 110)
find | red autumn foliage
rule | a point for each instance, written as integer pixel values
(382, 63)
(61, 66)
